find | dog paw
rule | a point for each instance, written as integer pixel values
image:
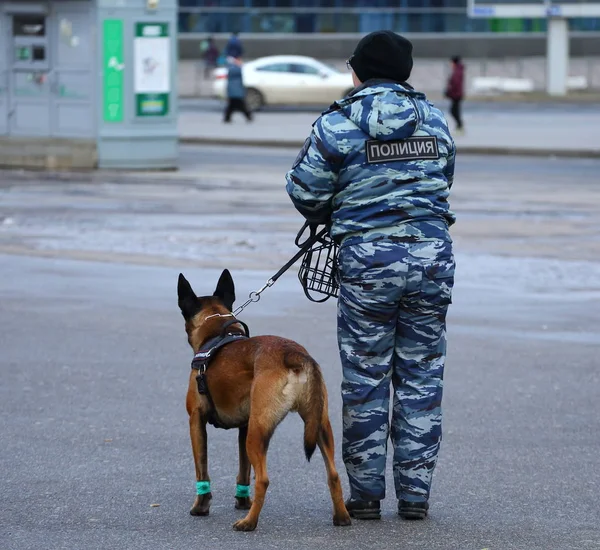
(201, 505)
(342, 520)
(243, 503)
(244, 525)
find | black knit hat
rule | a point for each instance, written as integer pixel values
(382, 54)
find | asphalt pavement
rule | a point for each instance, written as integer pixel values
(95, 450)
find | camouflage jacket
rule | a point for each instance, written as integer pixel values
(378, 162)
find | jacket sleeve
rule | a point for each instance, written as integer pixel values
(311, 183)
(454, 88)
(449, 169)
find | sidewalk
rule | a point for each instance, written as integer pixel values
(564, 133)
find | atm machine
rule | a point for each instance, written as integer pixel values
(29, 76)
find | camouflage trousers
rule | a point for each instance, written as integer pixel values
(392, 326)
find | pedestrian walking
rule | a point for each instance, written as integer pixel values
(455, 91)
(377, 168)
(236, 91)
(210, 54)
(234, 47)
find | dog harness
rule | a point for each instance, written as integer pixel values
(202, 359)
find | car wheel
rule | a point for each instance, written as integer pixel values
(254, 99)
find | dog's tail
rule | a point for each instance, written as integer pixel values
(314, 411)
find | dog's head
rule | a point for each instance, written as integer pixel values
(196, 309)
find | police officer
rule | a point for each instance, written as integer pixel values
(378, 167)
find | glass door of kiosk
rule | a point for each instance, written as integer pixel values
(29, 79)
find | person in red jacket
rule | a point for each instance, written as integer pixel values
(455, 91)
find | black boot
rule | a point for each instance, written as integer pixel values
(363, 509)
(412, 510)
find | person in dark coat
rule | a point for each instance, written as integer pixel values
(234, 47)
(236, 91)
(210, 54)
(455, 91)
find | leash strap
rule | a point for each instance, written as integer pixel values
(304, 247)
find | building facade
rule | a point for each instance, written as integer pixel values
(349, 16)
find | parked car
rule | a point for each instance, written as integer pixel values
(287, 80)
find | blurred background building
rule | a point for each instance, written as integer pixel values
(349, 16)
(329, 29)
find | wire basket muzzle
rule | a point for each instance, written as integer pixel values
(318, 271)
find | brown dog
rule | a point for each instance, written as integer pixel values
(252, 383)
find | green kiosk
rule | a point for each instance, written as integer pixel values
(88, 84)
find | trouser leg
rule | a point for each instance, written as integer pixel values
(459, 113)
(229, 110)
(367, 309)
(420, 354)
(239, 105)
(455, 111)
(245, 110)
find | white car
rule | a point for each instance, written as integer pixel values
(287, 80)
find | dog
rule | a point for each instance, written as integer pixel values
(252, 384)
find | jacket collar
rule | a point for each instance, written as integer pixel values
(377, 82)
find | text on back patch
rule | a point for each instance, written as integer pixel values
(412, 148)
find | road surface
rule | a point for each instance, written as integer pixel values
(95, 361)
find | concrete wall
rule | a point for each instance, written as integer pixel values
(428, 46)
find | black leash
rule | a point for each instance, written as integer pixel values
(317, 274)
(322, 237)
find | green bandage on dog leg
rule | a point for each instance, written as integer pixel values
(242, 491)
(202, 487)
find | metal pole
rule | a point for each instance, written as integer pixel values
(557, 56)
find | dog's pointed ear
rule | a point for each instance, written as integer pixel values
(187, 299)
(225, 289)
